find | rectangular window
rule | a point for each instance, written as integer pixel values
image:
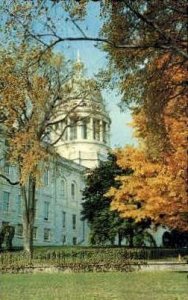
(34, 233)
(64, 219)
(73, 221)
(6, 201)
(47, 234)
(19, 230)
(46, 210)
(64, 239)
(74, 241)
(63, 188)
(73, 190)
(96, 130)
(46, 177)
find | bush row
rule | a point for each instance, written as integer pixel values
(105, 253)
(21, 267)
(77, 258)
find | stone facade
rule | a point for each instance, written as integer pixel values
(58, 205)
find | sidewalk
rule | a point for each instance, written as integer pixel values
(164, 266)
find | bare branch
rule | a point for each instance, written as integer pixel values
(8, 180)
(78, 27)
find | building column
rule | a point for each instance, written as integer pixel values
(68, 129)
(100, 131)
(90, 129)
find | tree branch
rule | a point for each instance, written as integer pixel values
(156, 45)
(8, 180)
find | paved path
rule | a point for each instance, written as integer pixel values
(165, 266)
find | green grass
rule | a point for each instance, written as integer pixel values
(95, 286)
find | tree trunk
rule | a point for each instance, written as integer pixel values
(28, 196)
(28, 237)
(119, 239)
(131, 236)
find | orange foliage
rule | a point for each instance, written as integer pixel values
(157, 188)
(153, 191)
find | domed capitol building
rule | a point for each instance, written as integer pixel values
(85, 141)
(82, 135)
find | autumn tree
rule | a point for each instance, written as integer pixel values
(158, 186)
(153, 83)
(32, 95)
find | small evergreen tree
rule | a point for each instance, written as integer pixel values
(105, 224)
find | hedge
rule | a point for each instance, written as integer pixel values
(85, 259)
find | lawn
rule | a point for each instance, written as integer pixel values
(98, 286)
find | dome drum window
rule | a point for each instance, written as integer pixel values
(96, 130)
(84, 129)
(73, 131)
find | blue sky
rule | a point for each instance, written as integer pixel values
(94, 59)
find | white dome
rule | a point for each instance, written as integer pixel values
(87, 124)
